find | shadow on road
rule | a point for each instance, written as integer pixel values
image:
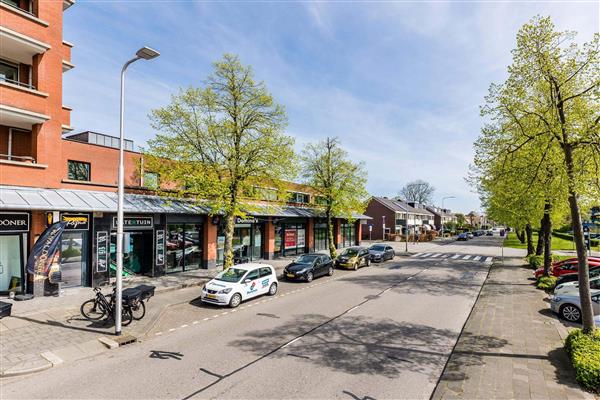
(361, 345)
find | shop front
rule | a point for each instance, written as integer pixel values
(184, 243)
(247, 240)
(347, 235)
(290, 238)
(321, 235)
(14, 235)
(74, 249)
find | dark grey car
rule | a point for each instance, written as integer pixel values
(381, 252)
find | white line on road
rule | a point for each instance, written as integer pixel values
(418, 255)
(425, 254)
(466, 257)
(476, 258)
(489, 259)
(206, 319)
(184, 325)
(455, 256)
(290, 342)
(172, 329)
(436, 255)
(352, 309)
(409, 278)
(195, 322)
(158, 333)
(386, 290)
(216, 316)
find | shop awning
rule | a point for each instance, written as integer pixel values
(24, 198)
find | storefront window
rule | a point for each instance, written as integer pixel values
(247, 243)
(175, 247)
(184, 247)
(11, 263)
(320, 236)
(348, 235)
(293, 237)
(193, 249)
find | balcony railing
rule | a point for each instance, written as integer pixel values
(17, 158)
(17, 83)
(12, 4)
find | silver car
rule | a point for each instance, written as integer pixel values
(574, 285)
(568, 306)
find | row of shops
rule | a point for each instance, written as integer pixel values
(160, 236)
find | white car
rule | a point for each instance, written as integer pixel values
(239, 283)
(574, 286)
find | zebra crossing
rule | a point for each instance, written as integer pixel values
(455, 256)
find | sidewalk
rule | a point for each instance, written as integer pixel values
(46, 331)
(511, 345)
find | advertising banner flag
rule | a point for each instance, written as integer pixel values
(45, 249)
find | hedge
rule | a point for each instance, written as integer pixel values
(535, 262)
(546, 282)
(584, 350)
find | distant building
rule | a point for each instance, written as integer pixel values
(390, 216)
(441, 216)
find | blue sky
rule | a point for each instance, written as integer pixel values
(400, 83)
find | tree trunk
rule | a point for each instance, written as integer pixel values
(587, 312)
(332, 249)
(228, 250)
(520, 235)
(546, 234)
(539, 249)
(529, 234)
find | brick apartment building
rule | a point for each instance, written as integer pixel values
(390, 216)
(48, 174)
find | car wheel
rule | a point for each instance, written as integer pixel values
(330, 271)
(570, 312)
(368, 264)
(272, 289)
(235, 300)
(356, 266)
(309, 276)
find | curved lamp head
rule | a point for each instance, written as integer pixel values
(147, 53)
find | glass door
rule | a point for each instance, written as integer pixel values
(73, 258)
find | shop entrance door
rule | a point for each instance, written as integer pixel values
(137, 253)
(12, 262)
(73, 258)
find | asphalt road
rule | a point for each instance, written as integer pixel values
(382, 332)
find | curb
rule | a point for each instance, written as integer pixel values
(16, 371)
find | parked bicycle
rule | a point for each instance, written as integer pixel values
(133, 304)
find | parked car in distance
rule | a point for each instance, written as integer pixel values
(570, 260)
(470, 235)
(309, 266)
(239, 283)
(353, 258)
(568, 306)
(489, 233)
(574, 276)
(574, 285)
(462, 236)
(381, 252)
(566, 268)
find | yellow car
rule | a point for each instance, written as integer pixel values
(353, 258)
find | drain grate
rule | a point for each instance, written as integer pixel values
(125, 339)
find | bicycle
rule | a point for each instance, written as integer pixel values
(95, 309)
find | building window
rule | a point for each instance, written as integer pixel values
(266, 194)
(9, 72)
(151, 180)
(296, 197)
(79, 171)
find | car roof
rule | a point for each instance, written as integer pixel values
(249, 266)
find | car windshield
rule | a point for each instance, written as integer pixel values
(378, 247)
(231, 275)
(350, 252)
(305, 259)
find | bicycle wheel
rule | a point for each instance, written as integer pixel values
(126, 316)
(138, 310)
(92, 310)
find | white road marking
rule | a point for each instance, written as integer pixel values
(425, 254)
(352, 309)
(206, 319)
(418, 255)
(172, 329)
(158, 333)
(184, 325)
(466, 257)
(387, 290)
(436, 255)
(195, 322)
(216, 316)
(455, 256)
(409, 278)
(476, 258)
(489, 259)
(290, 342)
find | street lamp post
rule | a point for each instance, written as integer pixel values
(145, 53)
(444, 212)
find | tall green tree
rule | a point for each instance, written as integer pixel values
(339, 180)
(221, 140)
(551, 100)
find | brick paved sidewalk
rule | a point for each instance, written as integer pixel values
(46, 331)
(511, 346)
